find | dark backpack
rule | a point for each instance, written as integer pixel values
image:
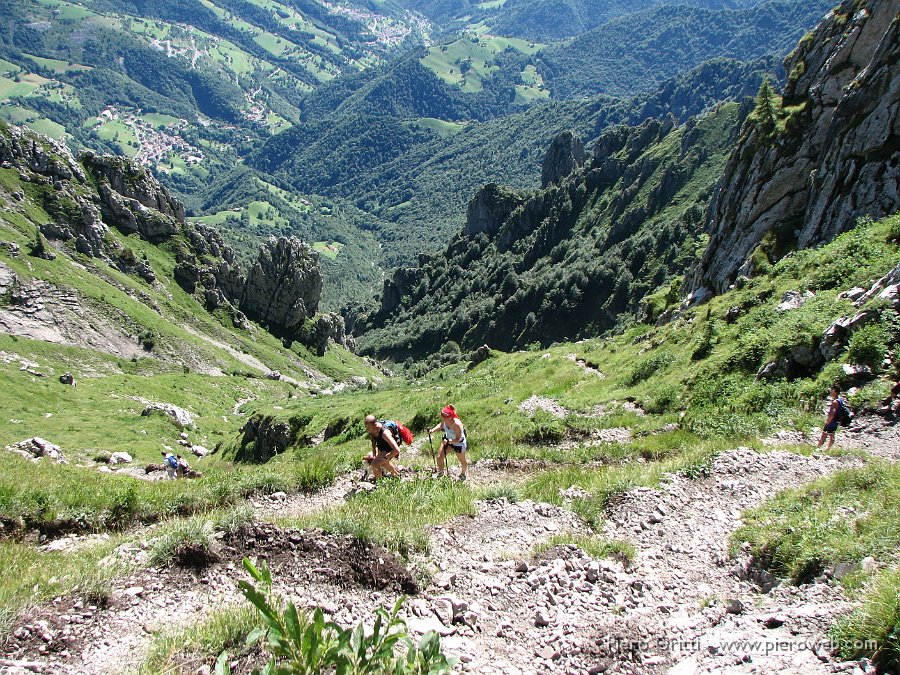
(400, 433)
(844, 414)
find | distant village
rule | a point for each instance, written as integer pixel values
(155, 142)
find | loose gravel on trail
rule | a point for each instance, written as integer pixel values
(683, 606)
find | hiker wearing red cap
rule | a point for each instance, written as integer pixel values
(454, 437)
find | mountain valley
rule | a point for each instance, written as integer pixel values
(632, 248)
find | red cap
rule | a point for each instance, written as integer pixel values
(448, 411)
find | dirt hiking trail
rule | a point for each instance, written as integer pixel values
(683, 605)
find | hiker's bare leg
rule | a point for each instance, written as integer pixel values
(393, 470)
(830, 441)
(440, 459)
(822, 439)
(463, 462)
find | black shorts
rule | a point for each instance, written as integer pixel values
(456, 448)
(831, 427)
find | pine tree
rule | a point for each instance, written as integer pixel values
(766, 107)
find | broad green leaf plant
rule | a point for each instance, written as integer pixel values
(306, 645)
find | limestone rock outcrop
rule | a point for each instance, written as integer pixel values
(133, 182)
(490, 207)
(284, 285)
(209, 267)
(565, 154)
(45, 156)
(327, 328)
(837, 157)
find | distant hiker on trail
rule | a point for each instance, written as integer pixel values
(454, 437)
(171, 464)
(182, 466)
(891, 404)
(838, 413)
(384, 449)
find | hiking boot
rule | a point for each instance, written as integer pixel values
(462, 476)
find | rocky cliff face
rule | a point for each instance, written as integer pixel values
(832, 154)
(284, 285)
(490, 206)
(88, 196)
(208, 266)
(566, 153)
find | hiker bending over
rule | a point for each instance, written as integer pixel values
(832, 417)
(183, 466)
(384, 449)
(454, 437)
(171, 464)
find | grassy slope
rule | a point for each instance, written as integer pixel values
(697, 370)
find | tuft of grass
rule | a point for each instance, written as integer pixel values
(396, 514)
(843, 518)
(186, 649)
(604, 482)
(188, 538)
(188, 541)
(507, 492)
(873, 630)
(593, 545)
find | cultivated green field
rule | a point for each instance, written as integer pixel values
(467, 61)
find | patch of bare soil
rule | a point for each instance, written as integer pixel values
(74, 636)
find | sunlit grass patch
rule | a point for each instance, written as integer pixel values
(593, 545)
(602, 483)
(873, 630)
(31, 576)
(840, 519)
(187, 648)
(396, 514)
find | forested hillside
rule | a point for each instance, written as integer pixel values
(418, 190)
(366, 130)
(567, 261)
(640, 50)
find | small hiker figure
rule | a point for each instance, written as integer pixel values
(838, 414)
(384, 449)
(890, 406)
(182, 466)
(171, 464)
(68, 378)
(454, 437)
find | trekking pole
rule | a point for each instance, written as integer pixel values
(433, 461)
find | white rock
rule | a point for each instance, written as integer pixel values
(120, 458)
(420, 626)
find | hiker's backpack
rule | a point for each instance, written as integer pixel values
(172, 461)
(844, 414)
(400, 433)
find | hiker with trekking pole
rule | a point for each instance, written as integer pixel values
(454, 438)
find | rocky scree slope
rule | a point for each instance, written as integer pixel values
(499, 607)
(67, 206)
(828, 153)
